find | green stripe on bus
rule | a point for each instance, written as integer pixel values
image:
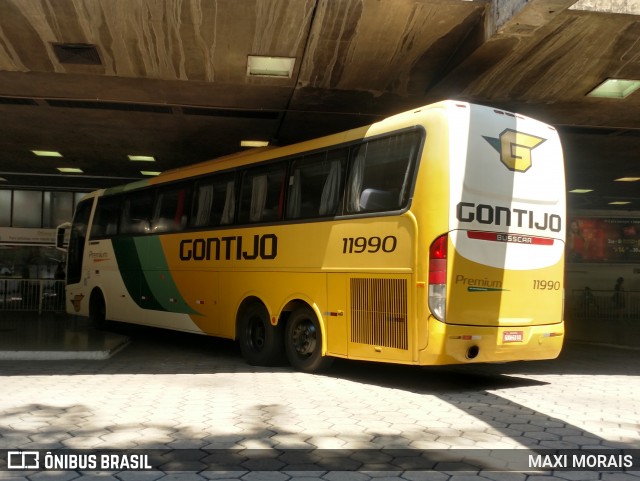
(130, 268)
(158, 278)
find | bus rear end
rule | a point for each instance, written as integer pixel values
(496, 277)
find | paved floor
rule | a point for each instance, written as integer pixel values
(175, 391)
(54, 336)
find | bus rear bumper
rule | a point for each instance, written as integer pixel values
(478, 344)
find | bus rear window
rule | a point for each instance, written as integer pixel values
(381, 173)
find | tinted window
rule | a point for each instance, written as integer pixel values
(58, 208)
(137, 209)
(214, 202)
(27, 208)
(105, 220)
(5, 208)
(381, 173)
(315, 185)
(171, 208)
(262, 195)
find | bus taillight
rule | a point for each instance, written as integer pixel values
(438, 277)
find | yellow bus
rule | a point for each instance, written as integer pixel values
(435, 236)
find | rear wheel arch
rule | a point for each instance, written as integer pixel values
(305, 338)
(298, 303)
(261, 342)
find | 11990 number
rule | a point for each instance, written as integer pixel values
(548, 285)
(358, 245)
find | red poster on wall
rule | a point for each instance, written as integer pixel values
(603, 240)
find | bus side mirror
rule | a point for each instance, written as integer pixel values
(63, 232)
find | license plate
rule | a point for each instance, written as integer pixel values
(512, 336)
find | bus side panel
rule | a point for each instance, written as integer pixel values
(274, 289)
(276, 264)
(200, 289)
(128, 273)
(336, 319)
(430, 205)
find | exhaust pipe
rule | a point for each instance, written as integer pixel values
(473, 352)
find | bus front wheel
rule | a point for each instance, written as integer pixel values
(303, 341)
(261, 343)
(97, 310)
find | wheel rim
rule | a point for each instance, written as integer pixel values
(256, 334)
(304, 338)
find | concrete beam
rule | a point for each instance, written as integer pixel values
(523, 17)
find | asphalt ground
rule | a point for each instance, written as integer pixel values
(187, 396)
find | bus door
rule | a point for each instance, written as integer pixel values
(77, 241)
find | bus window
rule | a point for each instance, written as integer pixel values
(215, 201)
(262, 194)
(105, 220)
(315, 185)
(381, 173)
(171, 209)
(136, 213)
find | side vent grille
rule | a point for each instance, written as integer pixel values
(379, 312)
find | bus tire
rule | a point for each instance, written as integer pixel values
(97, 309)
(303, 341)
(261, 343)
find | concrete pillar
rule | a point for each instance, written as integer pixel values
(521, 16)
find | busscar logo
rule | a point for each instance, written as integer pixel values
(515, 148)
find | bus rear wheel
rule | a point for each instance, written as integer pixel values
(303, 341)
(261, 343)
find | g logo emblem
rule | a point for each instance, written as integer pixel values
(515, 148)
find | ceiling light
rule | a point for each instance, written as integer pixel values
(70, 170)
(270, 66)
(627, 179)
(2, 179)
(580, 191)
(46, 153)
(615, 88)
(254, 143)
(149, 172)
(141, 158)
(620, 202)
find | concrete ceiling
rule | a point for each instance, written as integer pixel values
(168, 78)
